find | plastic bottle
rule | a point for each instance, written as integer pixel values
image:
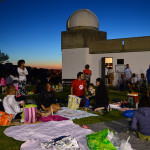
(116, 141)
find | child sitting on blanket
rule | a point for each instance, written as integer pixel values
(10, 104)
(90, 94)
(47, 101)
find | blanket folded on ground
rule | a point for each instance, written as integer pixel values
(73, 114)
(35, 134)
(52, 118)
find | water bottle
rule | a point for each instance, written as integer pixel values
(116, 141)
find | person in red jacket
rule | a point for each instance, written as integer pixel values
(78, 87)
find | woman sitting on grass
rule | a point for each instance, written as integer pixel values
(47, 101)
(101, 96)
(141, 118)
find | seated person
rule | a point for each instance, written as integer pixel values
(47, 100)
(90, 94)
(141, 84)
(122, 83)
(133, 84)
(11, 106)
(141, 120)
(101, 96)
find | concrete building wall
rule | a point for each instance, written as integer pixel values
(135, 44)
(74, 61)
(80, 38)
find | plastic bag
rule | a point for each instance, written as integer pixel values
(128, 113)
(99, 141)
(110, 136)
(61, 143)
(125, 145)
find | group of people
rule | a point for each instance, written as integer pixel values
(18, 79)
(82, 88)
(130, 81)
(46, 103)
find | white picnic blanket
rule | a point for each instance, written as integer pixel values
(73, 114)
(34, 134)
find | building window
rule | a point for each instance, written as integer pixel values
(122, 42)
(120, 61)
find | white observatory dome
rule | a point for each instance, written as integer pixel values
(82, 19)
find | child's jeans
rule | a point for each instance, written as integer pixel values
(87, 102)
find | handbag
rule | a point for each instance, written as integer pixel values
(29, 113)
(74, 102)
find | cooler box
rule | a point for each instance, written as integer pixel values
(73, 102)
(133, 99)
(134, 96)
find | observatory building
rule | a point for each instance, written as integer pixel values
(83, 44)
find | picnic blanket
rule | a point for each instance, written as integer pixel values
(35, 134)
(73, 114)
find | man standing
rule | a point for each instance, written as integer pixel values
(128, 73)
(148, 81)
(78, 87)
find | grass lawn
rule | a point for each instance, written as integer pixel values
(7, 143)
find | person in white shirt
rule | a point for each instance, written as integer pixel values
(128, 73)
(111, 75)
(10, 104)
(133, 84)
(106, 75)
(22, 71)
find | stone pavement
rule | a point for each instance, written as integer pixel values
(121, 126)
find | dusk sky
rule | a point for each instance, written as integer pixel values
(31, 29)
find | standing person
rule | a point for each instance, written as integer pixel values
(3, 84)
(106, 75)
(22, 71)
(128, 73)
(87, 75)
(101, 96)
(78, 87)
(8, 79)
(111, 75)
(148, 80)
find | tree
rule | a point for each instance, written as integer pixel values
(3, 57)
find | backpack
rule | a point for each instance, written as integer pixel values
(5, 119)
